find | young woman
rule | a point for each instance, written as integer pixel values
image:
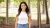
(23, 18)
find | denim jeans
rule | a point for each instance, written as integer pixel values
(23, 25)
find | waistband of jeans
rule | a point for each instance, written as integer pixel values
(23, 24)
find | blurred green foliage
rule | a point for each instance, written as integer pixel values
(10, 19)
(1, 19)
(1, 1)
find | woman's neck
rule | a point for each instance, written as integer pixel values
(23, 11)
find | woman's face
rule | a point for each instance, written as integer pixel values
(23, 6)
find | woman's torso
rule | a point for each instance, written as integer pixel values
(23, 18)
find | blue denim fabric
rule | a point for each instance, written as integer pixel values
(23, 25)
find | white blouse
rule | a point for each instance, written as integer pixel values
(23, 18)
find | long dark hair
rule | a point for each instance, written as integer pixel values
(27, 9)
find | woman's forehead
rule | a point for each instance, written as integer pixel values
(22, 4)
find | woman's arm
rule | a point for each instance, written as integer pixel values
(16, 21)
(30, 20)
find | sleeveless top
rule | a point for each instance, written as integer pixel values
(23, 18)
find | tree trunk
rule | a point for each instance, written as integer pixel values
(47, 17)
(29, 3)
(6, 19)
(43, 7)
(7, 10)
(39, 14)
